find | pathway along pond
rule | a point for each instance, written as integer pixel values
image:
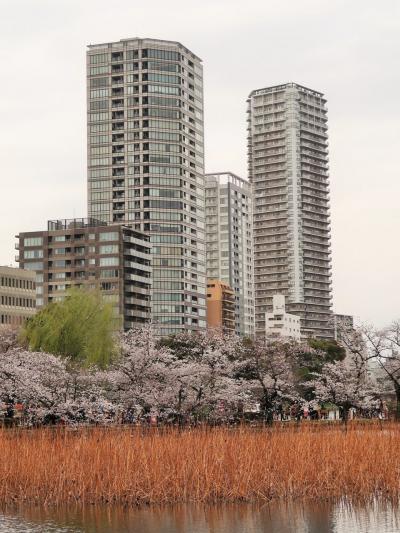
(291, 517)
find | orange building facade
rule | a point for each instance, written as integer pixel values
(220, 305)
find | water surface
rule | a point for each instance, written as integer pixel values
(235, 518)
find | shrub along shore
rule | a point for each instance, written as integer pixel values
(131, 466)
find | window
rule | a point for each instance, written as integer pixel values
(132, 54)
(95, 128)
(100, 173)
(163, 124)
(162, 101)
(162, 78)
(109, 261)
(167, 239)
(97, 117)
(173, 182)
(164, 158)
(167, 297)
(33, 241)
(95, 71)
(99, 150)
(164, 170)
(160, 65)
(165, 204)
(165, 308)
(161, 54)
(104, 195)
(163, 136)
(99, 93)
(109, 274)
(109, 236)
(167, 273)
(99, 82)
(33, 254)
(167, 262)
(95, 59)
(162, 113)
(108, 249)
(59, 251)
(99, 139)
(162, 89)
(167, 193)
(100, 162)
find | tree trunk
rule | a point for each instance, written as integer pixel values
(345, 417)
(397, 390)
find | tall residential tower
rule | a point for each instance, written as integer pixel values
(288, 169)
(230, 242)
(146, 164)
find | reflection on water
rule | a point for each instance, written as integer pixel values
(240, 518)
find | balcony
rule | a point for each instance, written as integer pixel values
(118, 68)
(117, 80)
(137, 301)
(136, 313)
(117, 103)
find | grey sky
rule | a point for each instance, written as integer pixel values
(349, 50)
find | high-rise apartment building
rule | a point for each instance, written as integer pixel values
(229, 242)
(89, 254)
(146, 164)
(288, 169)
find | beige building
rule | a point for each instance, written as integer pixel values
(17, 295)
(220, 305)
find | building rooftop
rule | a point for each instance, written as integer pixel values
(72, 223)
(275, 88)
(155, 42)
(226, 177)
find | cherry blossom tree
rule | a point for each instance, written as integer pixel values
(205, 371)
(140, 378)
(268, 365)
(382, 347)
(347, 384)
(50, 388)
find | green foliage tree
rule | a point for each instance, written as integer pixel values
(81, 327)
(311, 362)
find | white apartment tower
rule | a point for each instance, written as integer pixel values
(288, 170)
(146, 164)
(229, 242)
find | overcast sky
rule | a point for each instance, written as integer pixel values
(349, 50)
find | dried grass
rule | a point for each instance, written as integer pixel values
(133, 466)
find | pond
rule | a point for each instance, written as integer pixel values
(293, 517)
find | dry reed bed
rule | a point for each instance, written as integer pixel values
(98, 465)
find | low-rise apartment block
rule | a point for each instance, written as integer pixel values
(279, 323)
(220, 306)
(17, 295)
(88, 253)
